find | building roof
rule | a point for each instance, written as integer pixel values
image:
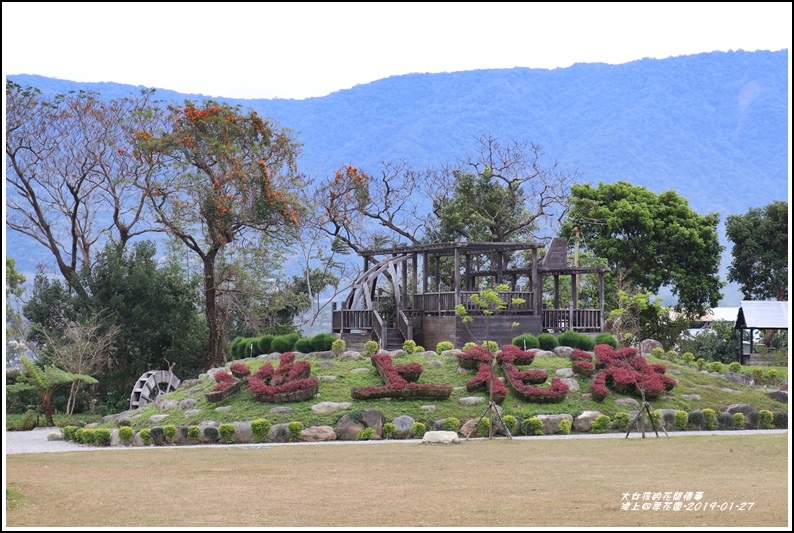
(763, 315)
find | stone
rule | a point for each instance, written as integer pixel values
(374, 419)
(648, 345)
(188, 403)
(318, 434)
(564, 372)
(325, 408)
(571, 382)
(561, 351)
(440, 437)
(471, 400)
(326, 377)
(584, 421)
(779, 396)
(192, 412)
(166, 405)
(741, 379)
(451, 353)
(693, 397)
(243, 433)
(157, 418)
(428, 408)
(747, 410)
(347, 429)
(628, 402)
(546, 353)
(551, 423)
(361, 370)
(278, 433)
(404, 425)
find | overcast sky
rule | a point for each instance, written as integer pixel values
(301, 50)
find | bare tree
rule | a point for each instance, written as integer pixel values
(72, 181)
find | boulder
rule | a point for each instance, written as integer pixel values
(440, 437)
(318, 434)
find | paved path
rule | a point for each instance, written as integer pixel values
(36, 441)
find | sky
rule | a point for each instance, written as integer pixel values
(303, 50)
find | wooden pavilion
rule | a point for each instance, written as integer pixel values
(410, 293)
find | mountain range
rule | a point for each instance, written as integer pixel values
(712, 126)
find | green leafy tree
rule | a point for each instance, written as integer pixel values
(760, 251)
(15, 326)
(45, 382)
(650, 240)
(230, 174)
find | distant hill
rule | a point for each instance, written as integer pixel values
(713, 126)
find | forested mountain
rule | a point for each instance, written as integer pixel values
(713, 126)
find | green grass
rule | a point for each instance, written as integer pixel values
(244, 406)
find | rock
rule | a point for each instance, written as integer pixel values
(750, 413)
(561, 351)
(779, 396)
(741, 379)
(451, 353)
(571, 382)
(328, 354)
(374, 419)
(404, 427)
(472, 400)
(325, 408)
(188, 403)
(546, 353)
(440, 437)
(551, 423)
(351, 356)
(564, 373)
(428, 408)
(693, 397)
(192, 412)
(584, 421)
(628, 402)
(278, 433)
(243, 433)
(157, 418)
(469, 428)
(326, 377)
(347, 429)
(361, 370)
(318, 434)
(648, 345)
(59, 436)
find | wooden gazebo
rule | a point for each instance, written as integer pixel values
(410, 292)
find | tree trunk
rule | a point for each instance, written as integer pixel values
(215, 354)
(46, 402)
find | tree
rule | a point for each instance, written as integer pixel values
(72, 181)
(650, 240)
(760, 251)
(229, 173)
(15, 328)
(502, 193)
(45, 382)
(83, 349)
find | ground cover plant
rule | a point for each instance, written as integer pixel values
(541, 482)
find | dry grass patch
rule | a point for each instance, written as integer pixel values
(528, 482)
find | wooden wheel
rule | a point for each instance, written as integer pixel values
(150, 385)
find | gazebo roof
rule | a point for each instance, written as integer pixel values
(449, 248)
(762, 315)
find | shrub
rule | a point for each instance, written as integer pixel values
(586, 342)
(781, 420)
(565, 426)
(409, 346)
(388, 431)
(283, 343)
(68, 432)
(418, 430)
(511, 423)
(689, 357)
(672, 355)
(365, 434)
(125, 434)
(264, 344)
(765, 419)
(469, 345)
(547, 341)
(260, 428)
(657, 353)
(322, 342)
(226, 432)
(444, 346)
(758, 375)
(738, 420)
(569, 338)
(194, 433)
(102, 437)
(451, 424)
(211, 434)
(601, 424)
(725, 421)
(26, 422)
(482, 427)
(295, 429)
(696, 419)
(338, 347)
(622, 421)
(419, 349)
(715, 366)
(158, 435)
(607, 338)
(681, 420)
(527, 341)
(304, 345)
(736, 366)
(772, 376)
(491, 346)
(701, 363)
(669, 420)
(533, 426)
(170, 432)
(370, 348)
(709, 419)
(146, 437)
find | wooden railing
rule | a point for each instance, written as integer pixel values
(572, 319)
(347, 319)
(404, 325)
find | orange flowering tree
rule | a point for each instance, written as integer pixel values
(229, 173)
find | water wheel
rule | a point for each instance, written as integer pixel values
(150, 385)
